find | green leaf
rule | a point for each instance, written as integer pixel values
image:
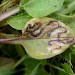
(20, 50)
(42, 47)
(38, 48)
(35, 70)
(34, 67)
(31, 66)
(42, 71)
(69, 8)
(18, 21)
(67, 68)
(40, 8)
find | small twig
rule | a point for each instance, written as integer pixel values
(9, 13)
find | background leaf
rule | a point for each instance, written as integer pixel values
(18, 21)
(40, 8)
(35, 70)
(6, 65)
(68, 7)
(67, 68)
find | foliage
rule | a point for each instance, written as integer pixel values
(13, 58)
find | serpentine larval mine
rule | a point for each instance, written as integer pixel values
(57, 34)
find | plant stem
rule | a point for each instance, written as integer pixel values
(58, 68)
(20, 61)
(9, 13)
(9, 38)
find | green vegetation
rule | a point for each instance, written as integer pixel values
(17, 41)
